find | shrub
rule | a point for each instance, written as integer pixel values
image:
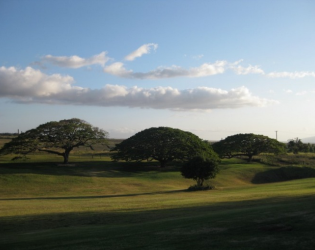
(200, 169)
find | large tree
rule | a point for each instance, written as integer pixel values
(162, 144)
(247, 145)
(58, 138)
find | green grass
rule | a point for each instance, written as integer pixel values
(98, 204)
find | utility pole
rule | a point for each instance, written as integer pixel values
(276, 135)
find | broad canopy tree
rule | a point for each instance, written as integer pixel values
(58, 138)
(247, 145)
(162, 144)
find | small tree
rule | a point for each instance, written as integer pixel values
(247, 145)
(200, 169)
(58, 138)
(161, 144)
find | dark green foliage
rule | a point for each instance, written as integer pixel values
(200, 169)
(58, 138)
(284, 174)
(200, 188)
(296, 145)
(288, 160)
(247, 145)
(162, 144)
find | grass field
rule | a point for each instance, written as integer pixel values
(98, 204)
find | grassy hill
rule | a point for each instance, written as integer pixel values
(98, 204)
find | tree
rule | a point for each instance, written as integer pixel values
(200, 169)
(58, 138)
(296, 145)
(162, 144)
(247, 145)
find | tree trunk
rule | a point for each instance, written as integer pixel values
(162, 164)
(66, 156)
(250, 157)
(199, 182)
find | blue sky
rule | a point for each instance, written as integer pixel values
(214, 68)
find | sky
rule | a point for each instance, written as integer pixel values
(214, 68)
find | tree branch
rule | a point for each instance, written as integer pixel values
(51, 151)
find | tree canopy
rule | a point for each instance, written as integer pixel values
(247, 145)
(162, 144)
(58, 138)
(200, 169)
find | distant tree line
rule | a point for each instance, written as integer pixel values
(8, 134)
(296, 145)
(200, 159)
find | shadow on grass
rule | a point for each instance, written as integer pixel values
(87, 168)
(283, 174)
(93, 197)
(235, 214)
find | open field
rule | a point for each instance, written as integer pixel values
(98, 204)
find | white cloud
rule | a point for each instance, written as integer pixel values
(240, 70)
(30, 82)
(293, 75)
(118, 69)
(144, 49)
(205, 69)
(76, 61)
(33, 86)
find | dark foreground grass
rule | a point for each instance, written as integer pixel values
(262, 224)
(104, 205)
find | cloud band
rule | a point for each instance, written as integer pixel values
(33, 86)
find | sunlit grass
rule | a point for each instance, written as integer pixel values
(98, 204)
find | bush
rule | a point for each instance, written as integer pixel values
(200, 188)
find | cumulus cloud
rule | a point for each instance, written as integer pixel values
(33, 86)
(76, 61)
(292, 75)
(144, 49)
(205, 69)
(30, 83)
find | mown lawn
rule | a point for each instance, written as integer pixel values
(97, 204)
